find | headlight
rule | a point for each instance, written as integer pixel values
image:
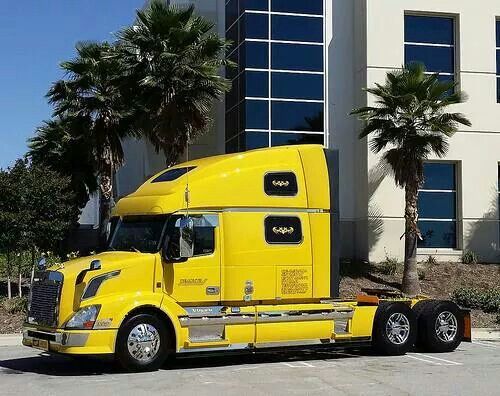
(84, 318)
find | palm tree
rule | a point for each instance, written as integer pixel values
(410, 122)
(61, 145)
(94, 96)
(173, 60)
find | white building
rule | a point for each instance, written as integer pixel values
(303, 65)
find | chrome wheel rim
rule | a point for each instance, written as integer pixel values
(446, 326)
(143, 342)
(397, 328)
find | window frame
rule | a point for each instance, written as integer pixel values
(458, 210)
(456, 41)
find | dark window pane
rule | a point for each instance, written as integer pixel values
(231, 12)
(232, 146)
(254, 26)
(298, 6)
(498, 34)
(426, 29)
(254, 55)
(498, 62)
(436, 205)
(259, 5)
(232, 72)
(297, 116)
(297, 28)
(256, 114)
(435, 59)
(438, 234)
(439, 176)
(256, 84)
(232, 126)
(284, 139)
(297, 86)
(253, 140)
(172, 174)
(498, 90)
(232, 95)
(297, 57)
(232, 35)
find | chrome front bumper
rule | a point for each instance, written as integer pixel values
(57, 338)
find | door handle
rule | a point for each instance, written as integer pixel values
(212, 290)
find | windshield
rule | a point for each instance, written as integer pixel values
(138, 234)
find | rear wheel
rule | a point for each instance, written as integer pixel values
(440, 327)
(142, 343)
(394, 329)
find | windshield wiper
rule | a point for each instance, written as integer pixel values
(135, 250)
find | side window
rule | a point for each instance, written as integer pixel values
(204, 235)
(280, 184)
(283, 230)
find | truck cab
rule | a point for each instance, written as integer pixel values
(230, 252)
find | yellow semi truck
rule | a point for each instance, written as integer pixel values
(230, 252)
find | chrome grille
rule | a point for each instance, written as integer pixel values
(44, 298)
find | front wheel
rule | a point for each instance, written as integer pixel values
(142, 343)
(394, 329)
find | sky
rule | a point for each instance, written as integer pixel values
(35, 36)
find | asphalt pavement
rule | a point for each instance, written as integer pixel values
(472, 369)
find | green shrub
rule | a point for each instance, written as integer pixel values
(488, 300)
(470, 257)
(431, 260)
(15, 305)
(390, 266)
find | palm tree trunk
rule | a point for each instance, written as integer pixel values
(411, 285)
(106, 201)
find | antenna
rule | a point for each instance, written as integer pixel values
(186, 192)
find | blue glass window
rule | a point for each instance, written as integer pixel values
(435, 59)
(231, 12)
(256, 84)
(254, 26)
(439, 176)
(297, 28)
(256, 114)
(437, 206)
(283, 139)
(254, 140)
(297, 57)
(297, 116)
(429, 29)
(297, 86)
(438, 234)
(298, 6)
(258, 5)
(254, 55)
(232, 96)
(431, 40)
(232, 125)
(232, 146)
(498, 59)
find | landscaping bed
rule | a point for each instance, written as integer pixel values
(437, 281)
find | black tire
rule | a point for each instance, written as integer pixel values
(418, 308)
(148, 361)
(399, 340)
(432, 337)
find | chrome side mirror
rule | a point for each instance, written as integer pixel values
(186, 239)
(42, 263)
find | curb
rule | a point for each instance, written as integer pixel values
(491, 334)
(10, 339)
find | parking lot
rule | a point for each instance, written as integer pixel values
(472, 369)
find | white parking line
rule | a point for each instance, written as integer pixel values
(301, 364)
(486, 344)
(440, 359)
(424, 360)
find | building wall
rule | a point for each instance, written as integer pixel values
(476, 150)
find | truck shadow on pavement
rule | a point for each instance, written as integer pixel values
(60, 365)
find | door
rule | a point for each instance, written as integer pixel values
(195, 280)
